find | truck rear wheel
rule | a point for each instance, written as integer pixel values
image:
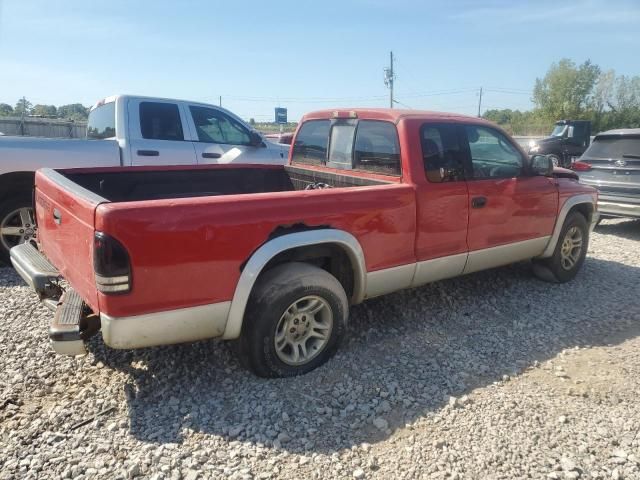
(295, 320)
(569, 253)
(17, 224)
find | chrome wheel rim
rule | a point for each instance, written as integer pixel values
(571, 248)
(18, 227)
(303, 330)
(555, 160)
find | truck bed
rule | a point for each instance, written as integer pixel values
(145, 184)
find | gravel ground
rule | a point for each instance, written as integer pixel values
(494, 375)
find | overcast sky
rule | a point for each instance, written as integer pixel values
(306, 55)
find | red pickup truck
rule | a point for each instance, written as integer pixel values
(371, 201)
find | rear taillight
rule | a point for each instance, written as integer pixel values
(111, 265)
(581, 166)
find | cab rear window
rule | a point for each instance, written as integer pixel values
(364, 145)
(102, 122)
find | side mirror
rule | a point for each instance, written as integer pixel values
(541, 165)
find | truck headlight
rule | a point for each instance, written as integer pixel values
(533, 147)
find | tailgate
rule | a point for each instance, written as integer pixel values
(65, 216)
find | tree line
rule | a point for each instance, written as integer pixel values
(73, 111)
(576, 92)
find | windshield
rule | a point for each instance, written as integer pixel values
(558, 130)
(614, 147)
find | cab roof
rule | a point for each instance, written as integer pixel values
(393, 115)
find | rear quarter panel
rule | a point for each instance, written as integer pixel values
(188, 252)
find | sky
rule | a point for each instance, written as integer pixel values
(306, 55)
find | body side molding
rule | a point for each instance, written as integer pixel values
(564, 211)
(266, 252)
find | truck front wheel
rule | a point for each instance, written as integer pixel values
(295, 320)
(17, 224)
(569, 253)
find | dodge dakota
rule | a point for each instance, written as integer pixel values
(271, 256)
(125, 130)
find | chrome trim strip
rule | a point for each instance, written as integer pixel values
(389, 280)
(111, 280)
(622, 209)
(165, 328)
(112, 288)
(286, 242)
(564, 211)
(505, 254)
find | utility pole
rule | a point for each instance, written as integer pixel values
(388, 79)
(480, 103)
(220, 99)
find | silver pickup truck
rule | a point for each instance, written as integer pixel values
(125, 130)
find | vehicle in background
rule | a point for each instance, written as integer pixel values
(125, 130)
(272, 256)
(612, 165)
(285, 138)
(568, 140)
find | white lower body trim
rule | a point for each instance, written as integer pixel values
(505, 254)
(165, 328)
(392, 279)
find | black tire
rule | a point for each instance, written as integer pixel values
(555, 268)
(8, 206)
(275, 291)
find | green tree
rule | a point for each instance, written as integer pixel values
(44, 110)
(74, 111)
(565, 91)
(6, 110)
(23, 105)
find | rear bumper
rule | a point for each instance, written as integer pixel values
(72, 322)
(619, 206)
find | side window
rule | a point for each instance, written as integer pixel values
(311, 143)
(214, 126)
(160, 121)
(442, 153)
(377, 148)
(492, 154)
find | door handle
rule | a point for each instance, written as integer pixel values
(210, 155)
(149, 153)
(478, 202)
(57, 216)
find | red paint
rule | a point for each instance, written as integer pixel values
(190, 251)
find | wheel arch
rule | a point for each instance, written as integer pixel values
(296, 246)
(579, 203)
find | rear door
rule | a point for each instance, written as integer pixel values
(157, 133)
(442, 204)
(65, 215)
(511, 213)
(221, 138)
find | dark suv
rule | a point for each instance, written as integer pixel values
(612, 165)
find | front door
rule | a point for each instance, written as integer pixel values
(511, 212)
(221, 138)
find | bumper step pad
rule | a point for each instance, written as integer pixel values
(65, 331)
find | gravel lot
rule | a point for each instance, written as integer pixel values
(494, 375)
